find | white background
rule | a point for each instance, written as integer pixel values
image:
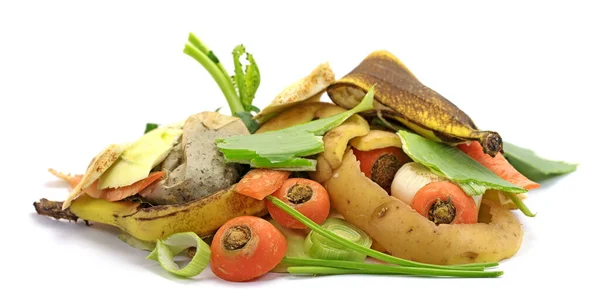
(77, 76)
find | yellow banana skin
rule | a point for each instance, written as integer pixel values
(401, 96)
(202, 216)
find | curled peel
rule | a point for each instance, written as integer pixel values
(405, 233)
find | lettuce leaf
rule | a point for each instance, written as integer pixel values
(533, 166)
(450, 162)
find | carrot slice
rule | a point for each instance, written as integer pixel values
(445, 202)
(73, 180)
(260, 183)
(119, 193)
(498, 165)
(110, 194)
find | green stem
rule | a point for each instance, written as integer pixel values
(397, 270)
(520, 204)
(358, 248)
(223, 80)
(303, 261)
(196, 42)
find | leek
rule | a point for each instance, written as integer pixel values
(284, 148)
(173, 245)
(318, 246)
(364, 250)
(450, 162)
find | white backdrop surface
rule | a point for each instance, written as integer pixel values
(76, 76)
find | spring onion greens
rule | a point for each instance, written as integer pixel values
(318, 246)
(520, 204)
(368, 251)
(284, 148)
(533, 166)
(239, 89)
(450, 162)
(173, 245)
(314, 266)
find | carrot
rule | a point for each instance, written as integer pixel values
(498, 165)
(119, 193)
(246, 247)
(443, 202)
(381, 165)
(110, 194)
(260, 183)
(306, 196)
(73, 180)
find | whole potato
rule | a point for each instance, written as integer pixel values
(405, 233)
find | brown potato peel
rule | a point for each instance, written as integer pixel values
(405, 233)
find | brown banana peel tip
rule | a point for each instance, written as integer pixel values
(405, 99)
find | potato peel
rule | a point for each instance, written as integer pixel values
(405, 233)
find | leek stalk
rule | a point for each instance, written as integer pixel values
(173, 245)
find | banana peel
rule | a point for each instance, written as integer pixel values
(401, 96)
(203, 216)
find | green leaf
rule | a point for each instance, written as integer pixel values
(239, 76)
(282, 148)
(450, 162)
(150, 127)
(167, 249)
(246, 80)
(533, 166)
(252, 81)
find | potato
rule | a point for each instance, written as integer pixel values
(376, 139)
(405, 233)
(336, 140)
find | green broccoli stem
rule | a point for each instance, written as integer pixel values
(222, 79)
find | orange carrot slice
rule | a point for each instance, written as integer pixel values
(445, 202)
(498, 165)
(73, 180)
(261, 182)
(110, 194)
(119, 193)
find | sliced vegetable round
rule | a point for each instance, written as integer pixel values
(173, 245)
(443, 202)
(245, 248)
(318, 246)
(380, 165)
(304, 195)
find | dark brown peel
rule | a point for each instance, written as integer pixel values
(399, 95)
(54, 209)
